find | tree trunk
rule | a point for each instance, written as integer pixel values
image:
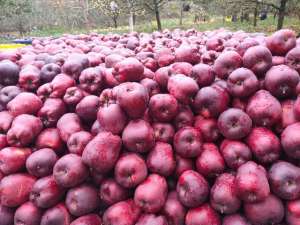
(255, 14)
(131, 23)
(181, 12)
(281, 14)
(134, 19)
(157, 16)
(131, 27)
(115, 22)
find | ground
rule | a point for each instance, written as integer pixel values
(266, 26)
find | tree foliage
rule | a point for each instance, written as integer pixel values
(18, 9)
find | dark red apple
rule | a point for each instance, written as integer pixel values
(252, 183)
(223, 194)
(141, 141)
(264, 144)
(227, 62)
(102, 152)
(151, 195)
(15, 189)
(192, 189)
(258, 59)
(202, 215)
(46, 193)
(260, 213)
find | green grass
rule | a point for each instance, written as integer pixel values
(266, 26)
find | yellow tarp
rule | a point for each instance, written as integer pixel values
(4, 47)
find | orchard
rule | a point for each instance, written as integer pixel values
(167, 128)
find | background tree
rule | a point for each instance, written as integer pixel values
(110, 8)
(133, 8)
(19, 10)
(154, 6)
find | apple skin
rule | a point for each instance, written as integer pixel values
(133, 98)
(51, 111)
(69, 171)
(155, 163)
(74, 65)
(291, 147)
(163, 107)
(162, 76)
(148, 219)
(192, 189)
(281, 81)
(129, 69)
(108, 145)
(56, 215)
(234, 124)
(107, 116)
(24, 130)
(202, 215)
(223, 195)
(182, 87)
(284, 179)
(242, 83)
(41, 162)
(215, 43)
(184, 117)
(140, 142)
(210, 163)
(73, 96)
(188, 142)
(7, 215)
(252, 183)
(210, 101)
(130, 170)
(92, 80)
(111, 192)
(184, 68)
(48, 72)
(6, 119)
(15, 189)
(77, 142)
(28, 213)
(50, 138)
(235, 153)
(292, 212)
(24, 103)
(258, 59)
(122, 213)
(261, 213)
(60, 84)
(235, 219)
(13, 159)
(46, 193)
(151, 194)
(9, 72)
(8, 93)
(68, 124)
(90, 219)
(292, 58)
(227, 62)
(264, 109)
(112, 59)
(82, 200)
(87, 108)
(264, 144)
(208, 128)
(281, 41)
(186, 53)
(165, 57)
(203, 74)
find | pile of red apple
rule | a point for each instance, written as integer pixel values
(168, 128)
